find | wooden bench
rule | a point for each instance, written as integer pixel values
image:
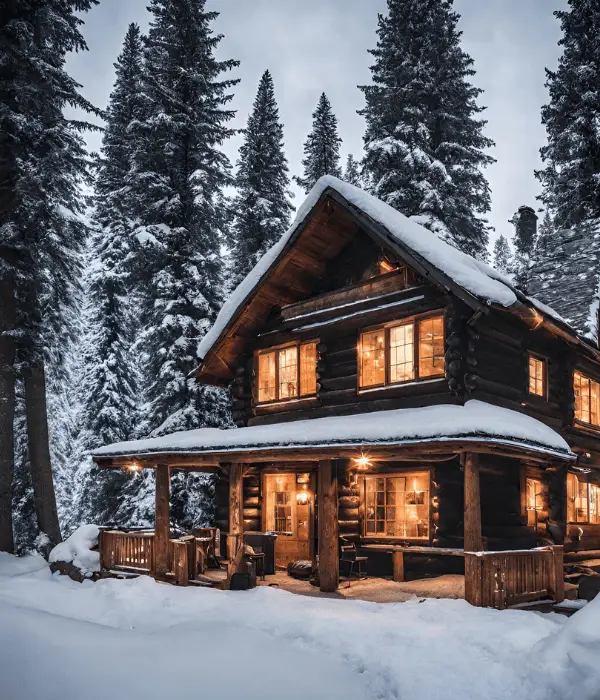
(398, 552)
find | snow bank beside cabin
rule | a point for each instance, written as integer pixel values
(572, 655)
(77, 550)
(481, 280)
(139, 639)
(475, 420)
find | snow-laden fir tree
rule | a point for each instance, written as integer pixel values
(503, 257)
(262, 205)
(352, 173)
(181, 170)
(570, 178)
(43, 161)
(543, 242)
(424, 141)
(322, 146)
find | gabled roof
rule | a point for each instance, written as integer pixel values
(476, 421)
(476, 283)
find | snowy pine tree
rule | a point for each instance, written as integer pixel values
(110, 389)
(571, 185)
(352, 173)
(322, 146)
(543, 242)
(424, 142)
(525, 223)
(180, 170)
(43, 160)
(262, 206)
(503, 258)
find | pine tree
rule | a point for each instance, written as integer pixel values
(352, 173)
(262, 206)
(43, 161)
(110, 389)
(322, 146)
(570, 178)
(503, 258)
(180, 169)
(424, 143)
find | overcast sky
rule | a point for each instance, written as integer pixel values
(321, 45)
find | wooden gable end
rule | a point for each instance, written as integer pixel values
(329, 263)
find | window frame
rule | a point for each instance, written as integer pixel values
(426, 471)
(578, 421)
(277, 349)
(415, 321)
(544, 361)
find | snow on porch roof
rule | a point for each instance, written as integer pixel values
(475, 421)
(477, 278)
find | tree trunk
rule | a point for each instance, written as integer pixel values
(7, 409)
(39, 452)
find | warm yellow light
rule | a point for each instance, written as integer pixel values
(362, 462)
(302, 497)
(134, 467)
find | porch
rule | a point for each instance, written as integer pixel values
(404, 496)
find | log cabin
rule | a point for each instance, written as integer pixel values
(392, 392)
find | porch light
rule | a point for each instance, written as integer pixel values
(302, 498)
(133, 467)
(362, 462)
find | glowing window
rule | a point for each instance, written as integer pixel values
(537, 376)
(391, 355)
(431, 347)
(535, 500)
(587, 399)
(583, 501)
(402, 367)
(372, 358)
(397, 506)
(287, 372)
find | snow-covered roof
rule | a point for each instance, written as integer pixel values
(477, 278)
(475, 421)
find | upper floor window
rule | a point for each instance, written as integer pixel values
(537, 376)
(587, 399)
(402, 352)
(583, 501)
(287, 372)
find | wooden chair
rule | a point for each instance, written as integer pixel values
(208, 541)
(349, 557)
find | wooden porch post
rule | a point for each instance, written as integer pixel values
(162, 523)
(329, 561)
(472, 516)
(236, 503)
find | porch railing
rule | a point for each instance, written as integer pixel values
(501, 579)
(134, 552)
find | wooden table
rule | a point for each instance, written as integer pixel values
(398, 551)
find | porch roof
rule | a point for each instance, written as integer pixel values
(433, 426)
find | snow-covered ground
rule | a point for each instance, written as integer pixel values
(141, 640)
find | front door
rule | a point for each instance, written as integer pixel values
(288, 510)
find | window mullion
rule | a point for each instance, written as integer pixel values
(277, 353)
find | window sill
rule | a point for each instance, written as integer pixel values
(286, 404)
(399, 385)
(587, 427)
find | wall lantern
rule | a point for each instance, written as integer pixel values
(133, 467)
(362, 462)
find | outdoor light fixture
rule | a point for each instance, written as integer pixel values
(362, 462)
(302, 497)
(134, 467)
